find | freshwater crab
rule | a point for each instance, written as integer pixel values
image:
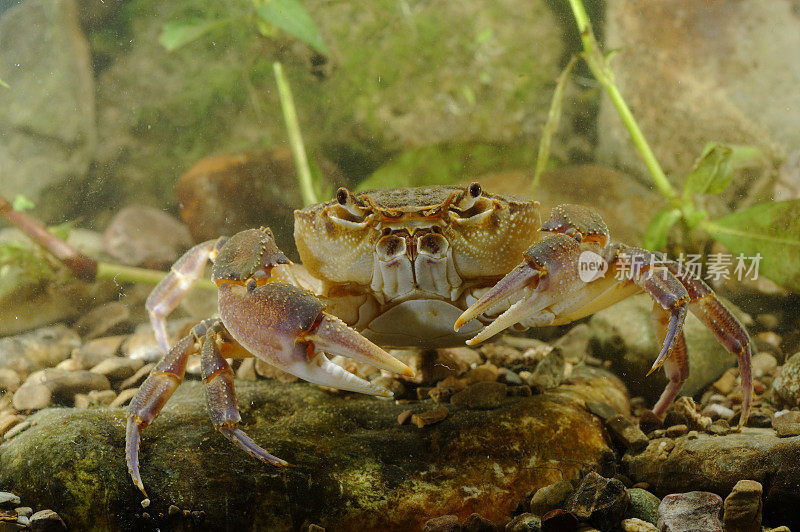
(431, 266)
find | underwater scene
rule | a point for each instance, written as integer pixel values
(400, 265)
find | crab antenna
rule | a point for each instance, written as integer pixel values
(348, 202)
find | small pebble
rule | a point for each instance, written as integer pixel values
(109, 318)
(726, 383)
(526, 522)
(550, 497)
(8, 500)
(118, 368)
(404, 416)
(445, 389)
(485, 373)
(717, 411)
(787, 424)
(478, 523)
(742, 509)
(173, 510)
(484, 394)
(693, 435)
(694, 510)
(24, 510)
(32, 397)
(17, 429)
(720, 427)
(763, 364)
(444, 523)
(429, 417)
(145, 503)
(602, 410)
(23, 520)
(8, 421)
(637, 525)
(626, 433)
(46, 520)
(658, 433)
(95, 351)
(676, 431)
(9, 380)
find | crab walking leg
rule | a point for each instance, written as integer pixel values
(286, 326)
(666, 290)
(156, 391)
(171, 290)
(221, 398)
(676, 365)
(729, 331)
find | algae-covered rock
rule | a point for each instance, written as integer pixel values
(456, 72)
(47, 117)
(717, 463)
(354, 466)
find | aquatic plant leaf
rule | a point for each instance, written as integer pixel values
(291, 17)
(22, 203)
(712, 172)
(4, 84)
(769, 230)
(180, 33)
(553, 120)
(655, 236)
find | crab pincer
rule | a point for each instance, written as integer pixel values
(287, 327)
(546, 275)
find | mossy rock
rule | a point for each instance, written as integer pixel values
(353, 465)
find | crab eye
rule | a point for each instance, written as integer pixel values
(352, 210)
(342, 195)
(471, 203)
(475, 189)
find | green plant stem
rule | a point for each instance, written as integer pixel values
(129, 274)
(295, 138)
(601, 71)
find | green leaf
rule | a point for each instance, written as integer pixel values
(655, 236)
(291, 17)
(177, 34)
(553, 119)
(22, 203)
(4, 84)
(712, 172)
(770, 230)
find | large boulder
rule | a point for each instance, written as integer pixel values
(354, 466)
(47, 118)
(716, 72)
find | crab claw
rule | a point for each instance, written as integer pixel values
(539, 281)
(331, 335)
(514, 283)
(293, 333)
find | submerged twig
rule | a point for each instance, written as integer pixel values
(80, 265)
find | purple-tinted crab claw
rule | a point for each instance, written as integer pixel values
(547, 275)
(260, 316)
